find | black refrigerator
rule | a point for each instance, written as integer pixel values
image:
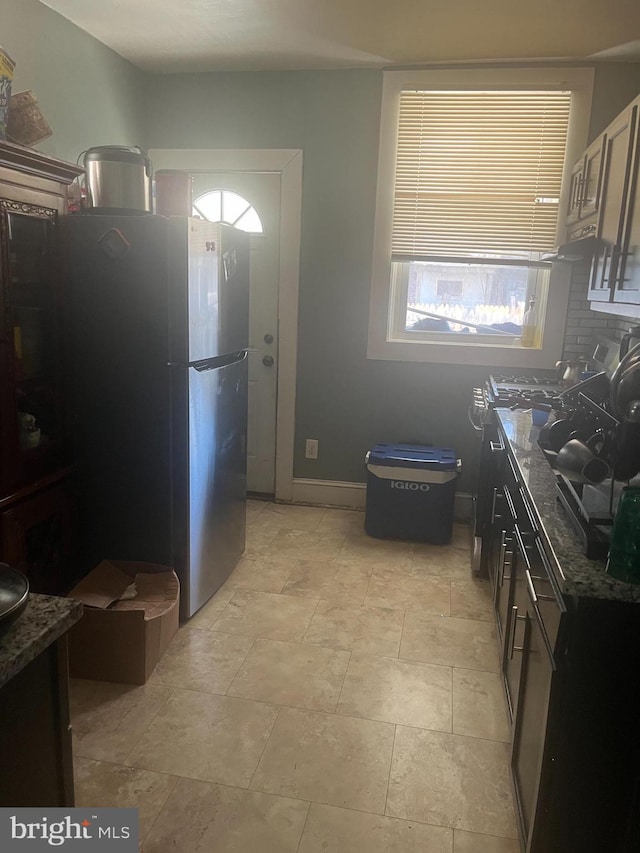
(157, 368)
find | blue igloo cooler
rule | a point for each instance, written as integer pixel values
(410, 492)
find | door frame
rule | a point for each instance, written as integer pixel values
(288, 163)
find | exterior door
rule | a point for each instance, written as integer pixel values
(262, 191)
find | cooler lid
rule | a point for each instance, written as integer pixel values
(413, 456)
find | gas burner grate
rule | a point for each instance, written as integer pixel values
(527, 381)
(513, 391)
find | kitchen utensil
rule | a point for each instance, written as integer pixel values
(633, 412)
(555, 435)
(629, 340)
(630, 358)
(623, 561)
(118, 178)
(572, 371)
(596, 387)
(628, 388)
(14, 593)
(580, 464)
(626, 460)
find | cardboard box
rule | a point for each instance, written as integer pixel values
(122, 639)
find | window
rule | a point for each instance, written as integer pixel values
(227, 206)
(470, 198)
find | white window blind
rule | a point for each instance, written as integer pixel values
(478, 173)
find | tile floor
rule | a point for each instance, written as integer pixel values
(339, 694)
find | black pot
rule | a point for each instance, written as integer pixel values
(627, 451)
(14, 593)
(553, 436)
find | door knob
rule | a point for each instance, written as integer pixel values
(268, 339)
(268, 361)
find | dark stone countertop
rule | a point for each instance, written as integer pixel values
(576, 574)
(44, 620)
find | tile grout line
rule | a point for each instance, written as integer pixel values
(264, 749)
(172, 690)
(393, 749)
(452, 702)
(404, 616)
(235, 674)
(160, 810)
(304, 826)
(301, 642)
(220, 615)
(344, 678)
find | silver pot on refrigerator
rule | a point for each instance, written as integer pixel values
(118, 178)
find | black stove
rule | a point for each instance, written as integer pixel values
(515, 391)
(551, 380)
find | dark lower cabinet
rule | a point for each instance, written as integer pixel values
(39, 536)
(35, 733)
(589, 778)
(570, 670)
(501, 558)
(530, 725)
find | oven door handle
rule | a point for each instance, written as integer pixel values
(471, 420)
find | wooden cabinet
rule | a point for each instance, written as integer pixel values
(39, 536)
(592, 179)
(616, 175)
(567, 666)
(586, 182)
(33, 440)
(35, 450)
(627, 287)
(529, 730)
(35, 733)
(536, 613)
(501, 557)
(613, 198)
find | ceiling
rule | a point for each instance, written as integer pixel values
(165, 36)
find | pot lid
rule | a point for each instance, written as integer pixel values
(117, 153)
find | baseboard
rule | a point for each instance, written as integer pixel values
(344, 495)
(329, 493)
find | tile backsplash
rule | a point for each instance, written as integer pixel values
(583, 324)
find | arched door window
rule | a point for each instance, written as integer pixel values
(227, 206)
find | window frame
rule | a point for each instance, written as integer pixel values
(397, 312)
(222, 191)
(382, 340)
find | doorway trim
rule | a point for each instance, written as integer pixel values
(288, 162)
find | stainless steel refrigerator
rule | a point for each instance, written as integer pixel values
(157, 347)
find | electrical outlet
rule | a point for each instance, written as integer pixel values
(311, 448)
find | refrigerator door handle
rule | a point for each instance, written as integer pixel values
(211, 363)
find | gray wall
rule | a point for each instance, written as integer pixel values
(88, 94)
(616, 84)
(343, 399)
